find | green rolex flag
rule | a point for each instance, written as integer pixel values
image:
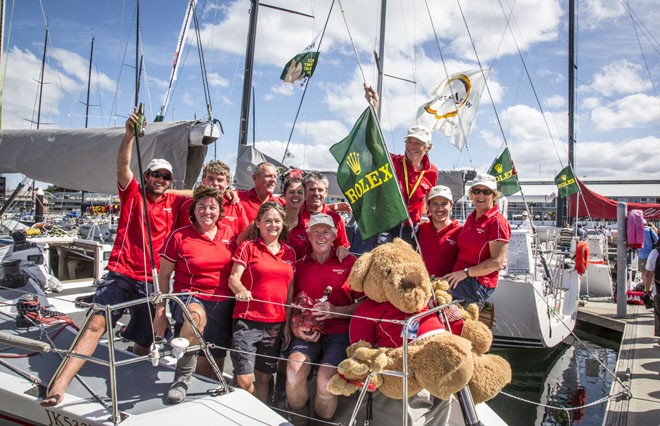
(300, 67)
(366, 176)
(566, 183)
(505, 174)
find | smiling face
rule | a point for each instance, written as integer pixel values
(416, 149)
(265, 180)
(321, 238)
(440, 210)
(482, 197)
(315, 191)
(207, 213)
(294, 195)
(156, 182)
(270, 225)
(215, 180)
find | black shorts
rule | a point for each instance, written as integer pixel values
(330, 349)
(219, 321)
(252, 338)
(118, 288)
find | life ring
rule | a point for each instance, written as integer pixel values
(581, 257)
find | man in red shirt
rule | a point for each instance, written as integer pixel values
(316, 271)
(129, 267)
(414, 171)
(438, 237)
(316, 191)
(265, 181)
(216, 174)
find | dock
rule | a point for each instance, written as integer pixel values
(638, 363)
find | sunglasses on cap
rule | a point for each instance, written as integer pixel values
(160, 175)
(477, 191)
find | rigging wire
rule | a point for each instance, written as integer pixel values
(202, 64)
(641, 49)
(302, 98)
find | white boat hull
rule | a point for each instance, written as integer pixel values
(525, 317)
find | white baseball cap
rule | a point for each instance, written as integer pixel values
(159, 164)
(421, 132)
(525, 213)
(321, 219)
(484, 180)
(439, 191)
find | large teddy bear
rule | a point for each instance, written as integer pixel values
(395, 280)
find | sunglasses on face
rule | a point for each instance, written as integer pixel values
(160, 175)
(477, 191)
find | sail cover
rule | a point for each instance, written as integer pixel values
(85, 159)
(588, 203)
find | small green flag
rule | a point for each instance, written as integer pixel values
(366, 176)
(566, 183)
(300, 67)
(505, 174)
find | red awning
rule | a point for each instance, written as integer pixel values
(597, 206)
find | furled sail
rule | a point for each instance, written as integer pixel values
(85, 159)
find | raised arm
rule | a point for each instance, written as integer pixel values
(124, 173)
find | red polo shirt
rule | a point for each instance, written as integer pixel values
(439, 248)
(383, 334)
(201, 264)
(233, 216)
(473, 247)
(303, 220)
(297, 239)
(313, 277)
(267, 276)
(130, 252)
(251, 202)
(416, 201)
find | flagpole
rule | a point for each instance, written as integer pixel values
(396, 178)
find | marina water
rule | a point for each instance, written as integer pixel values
(565, 376)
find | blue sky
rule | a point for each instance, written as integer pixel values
(618, 70)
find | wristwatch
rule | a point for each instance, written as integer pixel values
(467, 272)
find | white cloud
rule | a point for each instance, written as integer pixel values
(555, 101)
(627, 112)
(590, 103)
(624, 159)
(216, 80)
(619, 78)
(594, 13)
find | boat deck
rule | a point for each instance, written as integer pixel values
(638, 363)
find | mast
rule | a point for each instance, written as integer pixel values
(380, 60)
(247, 81)
(41, 78)
(89, 84)
(562, 203)
(2, 52)
(176, 60)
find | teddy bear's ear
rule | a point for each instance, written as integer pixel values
(359, 271)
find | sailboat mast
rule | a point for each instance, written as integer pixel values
(89, 84)
(176, 62)
(41, 79)
(562, 203)
(380, 62)
(247, 81)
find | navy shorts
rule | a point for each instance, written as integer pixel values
(254, 338)
(330, 349)
(118, 288)
(470, 290)
(219, 321)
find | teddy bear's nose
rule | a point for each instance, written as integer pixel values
(411, 280)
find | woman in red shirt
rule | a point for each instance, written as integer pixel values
(200, 257)
(482, 245)
(261, 278)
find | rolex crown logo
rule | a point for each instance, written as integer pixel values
(353, 161)
(498, 168)
(563, 177)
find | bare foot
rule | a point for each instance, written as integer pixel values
(52, 399)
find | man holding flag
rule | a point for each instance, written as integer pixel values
(414, 171)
